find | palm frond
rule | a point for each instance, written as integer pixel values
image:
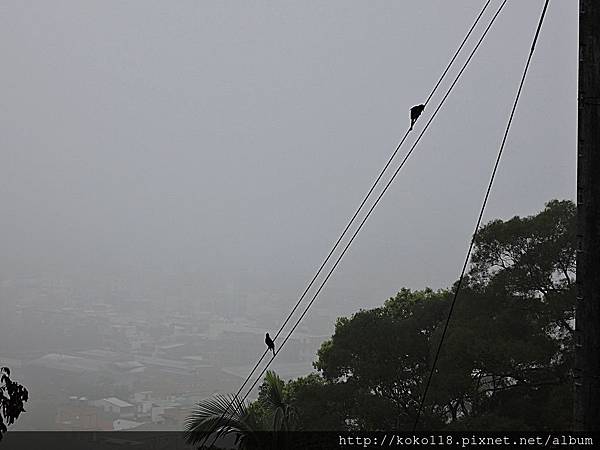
(215, 415)
(274, 394)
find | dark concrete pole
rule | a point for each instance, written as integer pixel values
(587, 335)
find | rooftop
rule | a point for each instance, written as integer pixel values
(69, 363)
(117, 402)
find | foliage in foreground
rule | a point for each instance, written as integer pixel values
(229, 416)
(12, 399)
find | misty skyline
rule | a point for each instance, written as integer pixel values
(229, 143)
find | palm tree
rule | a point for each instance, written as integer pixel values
(225, 416)
(272, 397)
(228, 416)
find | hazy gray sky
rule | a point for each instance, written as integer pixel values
(231, 140)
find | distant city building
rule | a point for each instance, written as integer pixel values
(117, 407)
(78, 415)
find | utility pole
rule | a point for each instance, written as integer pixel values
(587, 326)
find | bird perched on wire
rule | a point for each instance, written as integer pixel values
(415, 112)
(270, 343)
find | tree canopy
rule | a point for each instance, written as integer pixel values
(507, 357)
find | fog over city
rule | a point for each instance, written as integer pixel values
(173, 173)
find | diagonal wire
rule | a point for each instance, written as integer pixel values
(478, 224)
(462, 44)
(358, 210)
(388, 184)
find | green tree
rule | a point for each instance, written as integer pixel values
(524, 269)
(507, 357)
(382, 356)
(320, 405)
(280, 415)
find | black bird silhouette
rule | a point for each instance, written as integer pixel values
(270, 343)
(415, 112)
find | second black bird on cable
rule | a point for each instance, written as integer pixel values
(270, 343)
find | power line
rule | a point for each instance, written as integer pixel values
(358, 210)
(462, 44)
(388, 184)
(287, 319)
(487, 194)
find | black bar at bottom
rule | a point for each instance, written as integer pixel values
(155, 440)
